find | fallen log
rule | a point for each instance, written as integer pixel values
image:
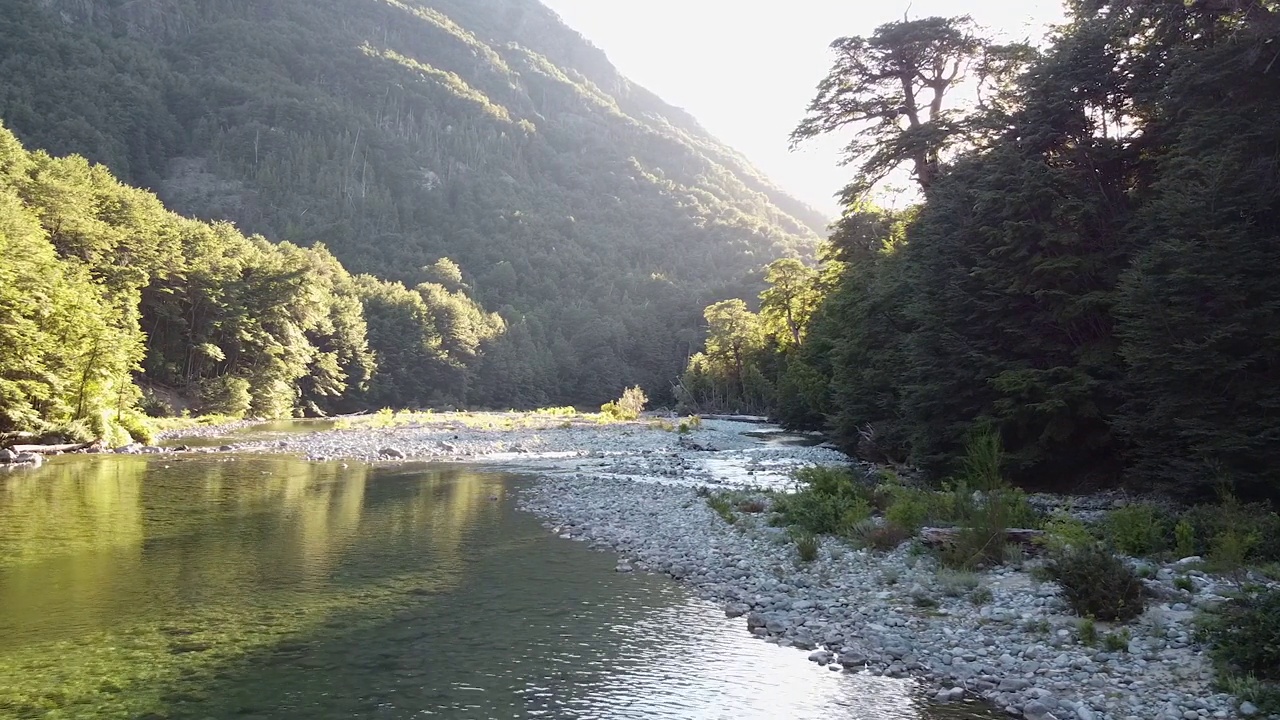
(49, 449)
(941, 537)
(756, 419)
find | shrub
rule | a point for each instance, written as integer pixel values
(1209, 522)
(1087, 632)
(807, 546)
(1063, 532)
(983, 461)
(1244, 638)
(1097, 584)
(227, 395)
(627, 407)
(831, 501)
(1117, 641)
(137, 426)
(984, 520)
(723, 508)
(981, 596)
(1136, 530)
(1184, 538)
(1231, 548)
(914, 507)
(1184, 583)
(908, 508)
(955, 583)
(886, 536)
(1015, 555)
(983, 525)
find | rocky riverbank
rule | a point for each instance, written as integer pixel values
(896, 614)
(1002, 636)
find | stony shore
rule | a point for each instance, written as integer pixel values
(633, 489)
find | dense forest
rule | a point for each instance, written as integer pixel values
(110, 306)
(1091, 273)
(591, 217)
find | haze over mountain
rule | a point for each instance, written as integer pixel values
(595, 218)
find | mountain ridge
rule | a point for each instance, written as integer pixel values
(397, 133)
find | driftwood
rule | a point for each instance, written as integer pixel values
(49, 449)
(940, 537)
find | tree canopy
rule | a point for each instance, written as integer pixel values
(1089, 275)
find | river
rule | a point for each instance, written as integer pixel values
(260, 587)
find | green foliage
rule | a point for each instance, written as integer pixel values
(983, 462)
(1198, 317)
(1089, 298)
(1137, 530)
(830, 501)
(1231, 533)
(1244, 638)
(1063, 532)
(723, 507)
(1184, 538)
(908, 510)
(1087, 631)
(956, 583)
(1265, 696)
(884, 536)
(1230, 549)
(1116, 642)
(912, 508)
(1184, 583)
(227, 395)
(807, 545)
(445, 144)
(984, 518)
(1097, 584)
(627, 407)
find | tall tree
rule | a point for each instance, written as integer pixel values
(790, 300)
(1199, 311)
(893, 88)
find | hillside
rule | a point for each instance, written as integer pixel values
(596, 219)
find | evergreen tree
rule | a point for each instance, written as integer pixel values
(1200, 308)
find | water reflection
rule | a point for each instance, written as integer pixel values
(271, 587)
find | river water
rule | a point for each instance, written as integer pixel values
(257, 587)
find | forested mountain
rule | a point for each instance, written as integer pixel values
(592, 216)
(109, 303)
(1091, 275)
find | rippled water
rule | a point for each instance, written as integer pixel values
(270, 587)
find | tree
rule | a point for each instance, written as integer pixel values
(1199, 310)
(893, 87)
(790, 300)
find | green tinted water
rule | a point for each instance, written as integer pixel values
(271, 587)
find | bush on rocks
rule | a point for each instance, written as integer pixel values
(1244, 635)
(1137, 530)
(807, 546)
(832, 501)
(913, 508)
(1097, 584)
(881, 536)
(627, 407)
(1228, 525)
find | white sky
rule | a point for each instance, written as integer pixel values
(747, 69)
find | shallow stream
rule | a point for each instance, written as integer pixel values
(272, 587)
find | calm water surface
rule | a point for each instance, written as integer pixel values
(271, 587)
